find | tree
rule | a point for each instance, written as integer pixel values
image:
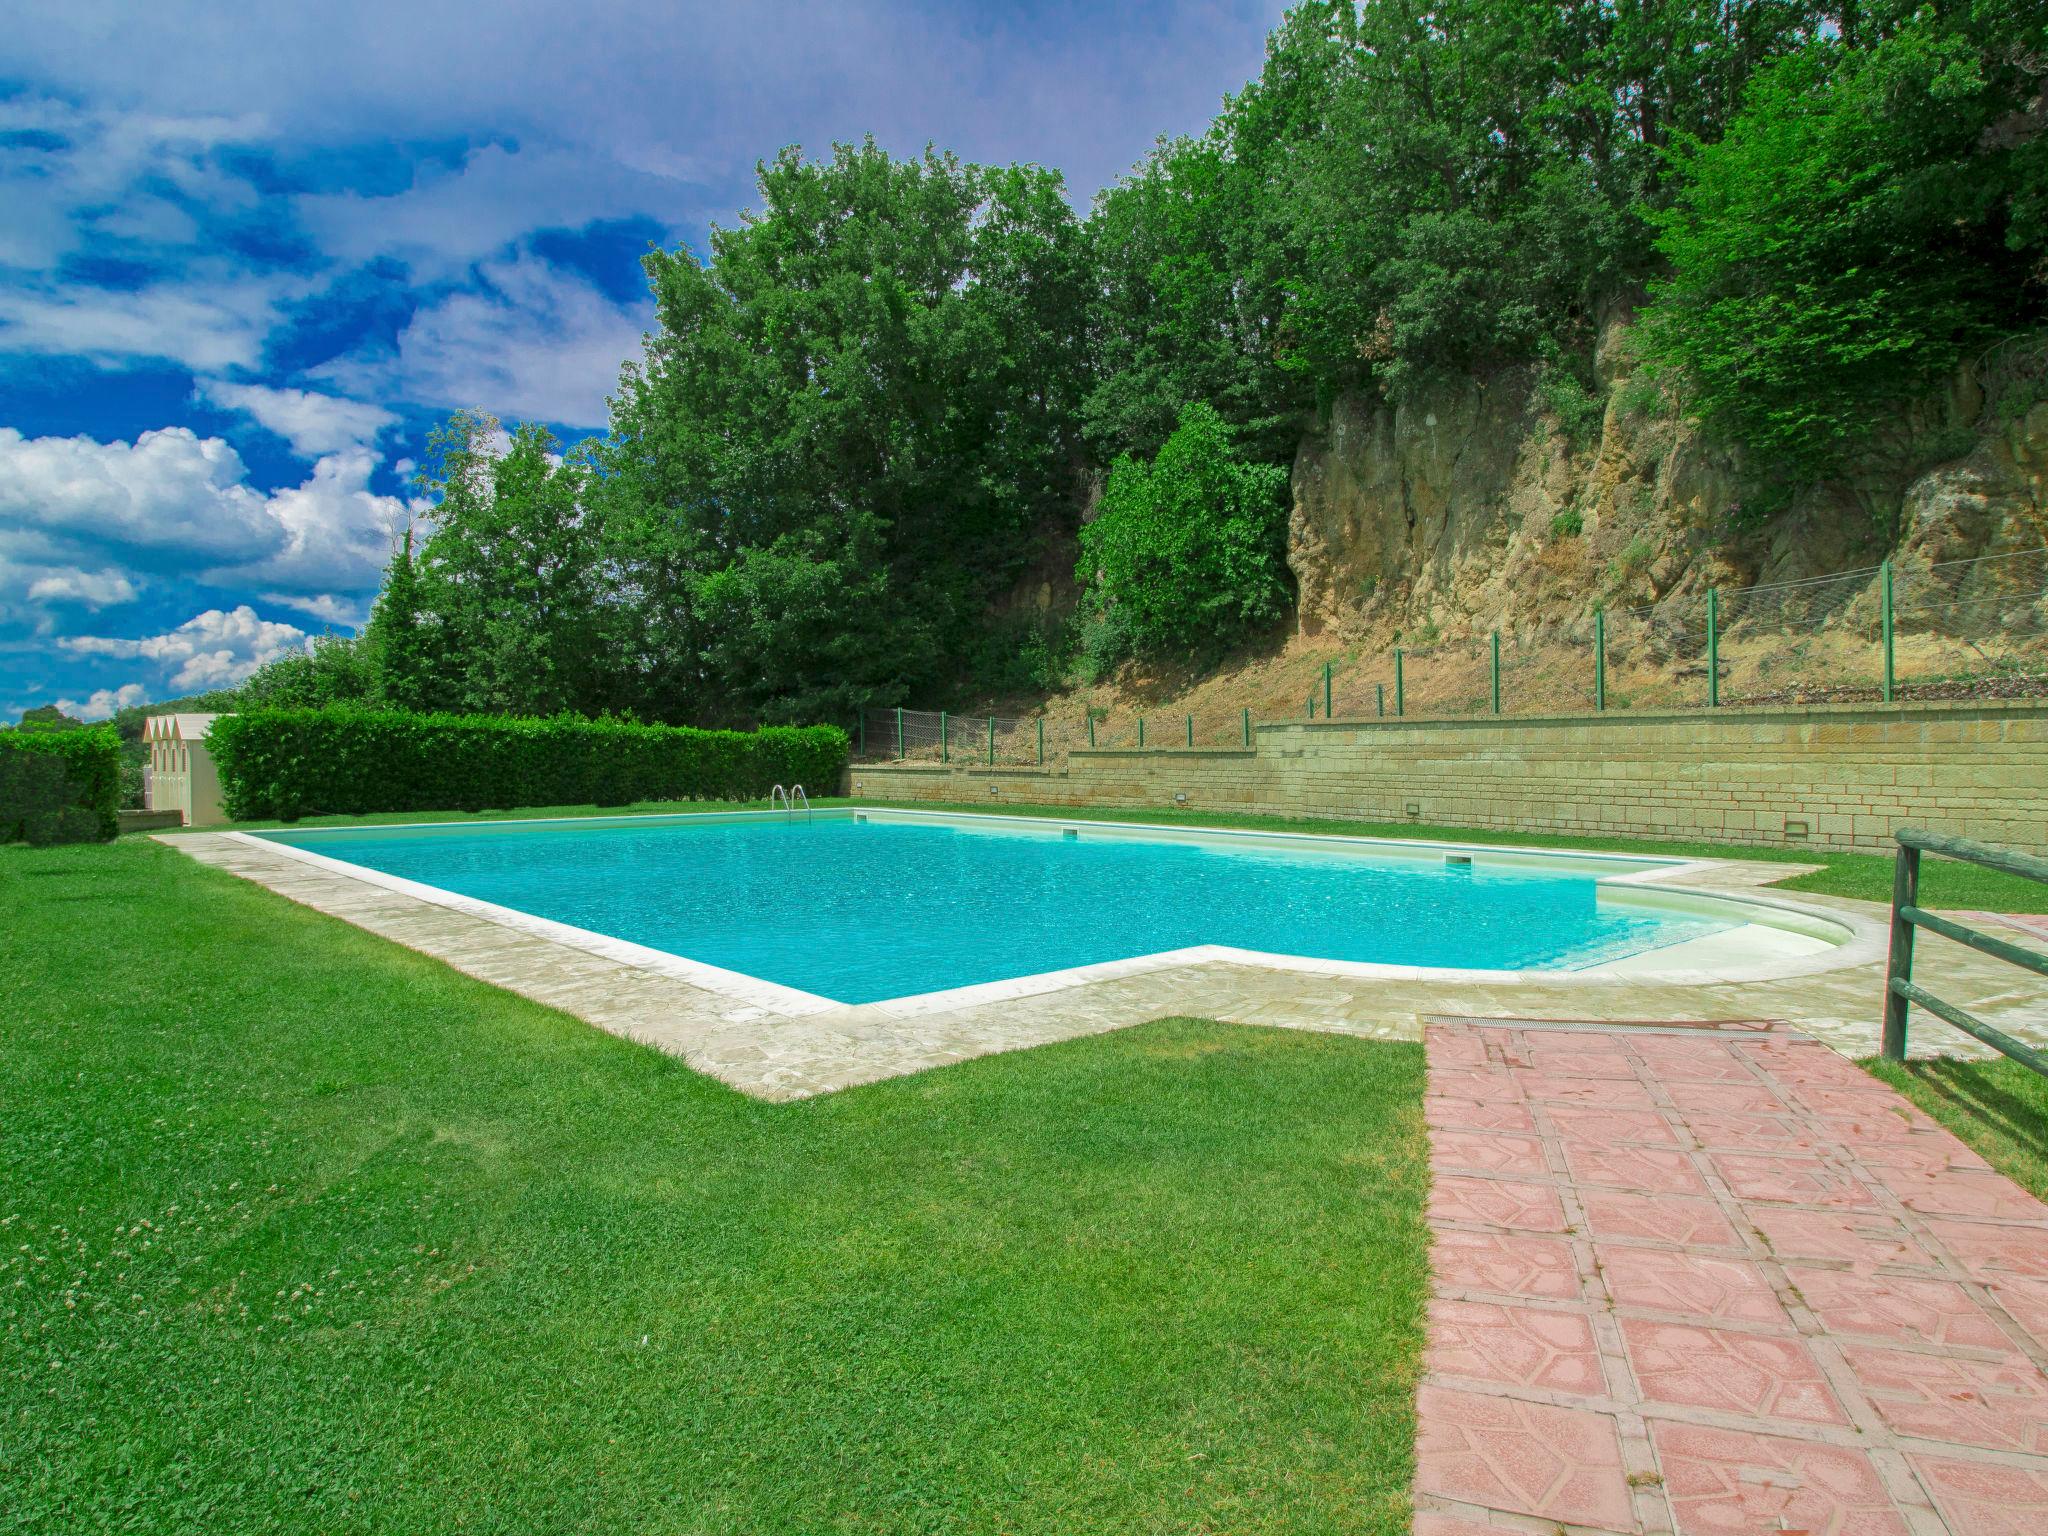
(510, 582)
(861, 406)
(1186, 552)
(1874, 214)
(397, 639)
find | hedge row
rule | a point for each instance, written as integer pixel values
(59, 786)
(288, 763)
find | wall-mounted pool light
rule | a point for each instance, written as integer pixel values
(1181, 798)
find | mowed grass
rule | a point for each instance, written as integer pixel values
(300, 1231)
(1999, 1107)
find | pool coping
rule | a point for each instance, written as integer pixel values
(1865, 939)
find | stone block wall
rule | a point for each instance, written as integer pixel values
(1831, 776)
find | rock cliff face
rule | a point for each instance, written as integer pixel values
(1470, 508)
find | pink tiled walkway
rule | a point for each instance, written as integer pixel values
(1715, 1281)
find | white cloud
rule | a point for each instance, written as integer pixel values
(175, 500)
(93, 589)
(313, 424)
(342, 612)
(103, 702)
(204, 323)
(215, 649)
(534, 344)
(169, 490)
(453, 216)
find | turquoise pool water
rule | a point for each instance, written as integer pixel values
(865, 911)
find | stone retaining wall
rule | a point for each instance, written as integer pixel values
(1832, 776)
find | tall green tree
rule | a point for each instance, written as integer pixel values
(510, 581)
(853, 426)
(1874, 214)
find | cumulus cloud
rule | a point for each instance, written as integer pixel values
(203, 323)
(342, 612)
(91, 589)
(177, 501)
(102, 703)
(533, 342)
(313, 424)
(215, 649)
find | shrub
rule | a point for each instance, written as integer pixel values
(288, 763)
(1188, 552)
(59, 786)
(1568, 524)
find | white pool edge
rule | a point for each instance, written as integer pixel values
(1865, 940)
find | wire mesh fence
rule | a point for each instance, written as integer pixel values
(1974, 628)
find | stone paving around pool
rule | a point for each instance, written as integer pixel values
(784, 1055)
(1719, 1280)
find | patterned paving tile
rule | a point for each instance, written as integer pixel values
(1496, 1203)
(1990, 1252)
(1653, 1170)
(1971, 1192)
(1982, 1499)
(1525, 1458)
(1710, 1287)
(1861, 1239)
(2000, 1405)
(1791, 1180)
(1671, 1219)
(1505, 1264)
(1733, 1483)
(1566, 1088)
(1487, 1153)
(2026, 1303)
(1784, 1345)
(1904, 1308)
(1516, 1346)
(1601, 1124)
(1477, 1115)
(1733, 1131)
(1745, 1373)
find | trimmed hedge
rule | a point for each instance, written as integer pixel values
(60, 786)
(343, 760)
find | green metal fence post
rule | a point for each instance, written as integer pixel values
(1400, 685)
(991, 741)
(945, 751)
(1247, 727)
(899, 733)
(1326, 690)
(1379, 699)
(1141, 730)
(1713, 647)
(1887, 568)
(1041, 741)
(1905, 893)
(1600, 659)
(1091, 730)
(1191, 730)
(1496, 671)
(860, 731)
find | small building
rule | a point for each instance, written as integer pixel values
(180, 774)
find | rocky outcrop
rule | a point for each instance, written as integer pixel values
(1468, 507)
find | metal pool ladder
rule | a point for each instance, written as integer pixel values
(789, 799)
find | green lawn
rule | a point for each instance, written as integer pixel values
(300, 1231)
(1998, 1107)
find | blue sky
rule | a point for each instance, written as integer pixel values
(250, 254)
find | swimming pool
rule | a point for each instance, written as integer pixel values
(865, 906)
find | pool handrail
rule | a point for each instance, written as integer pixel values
(1900, 991)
